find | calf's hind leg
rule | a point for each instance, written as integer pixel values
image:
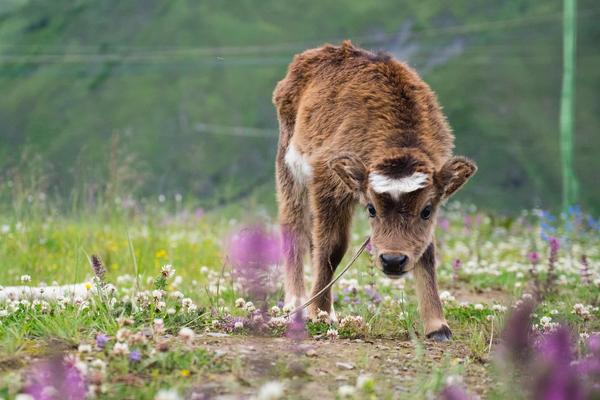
(430, 305)
(294, 220)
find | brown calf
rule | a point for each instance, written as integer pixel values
(358, 127)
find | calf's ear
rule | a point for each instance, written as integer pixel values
(351, 170)
(453, 175)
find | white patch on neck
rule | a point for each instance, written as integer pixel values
(298, 165)
(395, 187)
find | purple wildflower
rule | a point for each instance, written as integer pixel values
(55, 379)
(444, 223)
(369, 247)
(456, 264)
(468, 222)
(373, 295)
(534, 257)
(584, 270)
(551, 277)
(554, 245)
(296, 329)
(98, 267)
(252, 252)
(101, 340)
(229, 323)
(453, 392)
(517, 334)
(557, 378)
(593, 344)
(135, 356)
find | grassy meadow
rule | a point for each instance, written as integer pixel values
(166, 316)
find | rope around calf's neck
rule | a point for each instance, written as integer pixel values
(334, 280)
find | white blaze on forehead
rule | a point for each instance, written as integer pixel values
(395, 187)
(298, 165)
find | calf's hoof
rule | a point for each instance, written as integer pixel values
(443, 334)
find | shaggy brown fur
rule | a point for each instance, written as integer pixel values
(347, 118)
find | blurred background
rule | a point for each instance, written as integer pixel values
(109, 102)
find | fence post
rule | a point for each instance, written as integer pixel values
(569, 182)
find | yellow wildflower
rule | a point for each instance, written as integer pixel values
(161, 254)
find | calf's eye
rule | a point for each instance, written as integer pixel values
(426, 212)
(371, 210)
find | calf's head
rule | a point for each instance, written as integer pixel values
(401, 193)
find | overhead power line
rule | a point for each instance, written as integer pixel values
(240, 131)
(81, 54)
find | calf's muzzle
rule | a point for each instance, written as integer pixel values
(393, 264)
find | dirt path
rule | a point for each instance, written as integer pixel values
(317, 368)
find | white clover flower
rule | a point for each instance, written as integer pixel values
(120, 349)
(157, 294)
(545, 320)
(323, 316)
(249, 306)
(192, 308)
(478, 306)
(25, 278)
(187, 335)
(365, 383)
(171, 311)
(158, 326)
(332, 334)
(167, 394)
(177, 295)
(352, 322)
(84, 348)
(527, 296)
(275, 311)
(581, 310)
(278, 322)
(346, 391)
(499, 308)
(123, 334)
(177, 281)
(238, 325)
(167, 270)
(98, 364)
(271, 391)
(446, 296)
(240, 303)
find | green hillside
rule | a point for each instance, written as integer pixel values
(146, 97)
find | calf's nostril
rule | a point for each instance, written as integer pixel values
(402, 259)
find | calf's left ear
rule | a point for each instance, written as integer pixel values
(454, 174)
(351, 170)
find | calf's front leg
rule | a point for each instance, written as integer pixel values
(331, 230)
(430, 305)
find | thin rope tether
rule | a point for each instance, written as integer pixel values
(334, 280)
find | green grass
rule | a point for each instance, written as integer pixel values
(54, 249)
